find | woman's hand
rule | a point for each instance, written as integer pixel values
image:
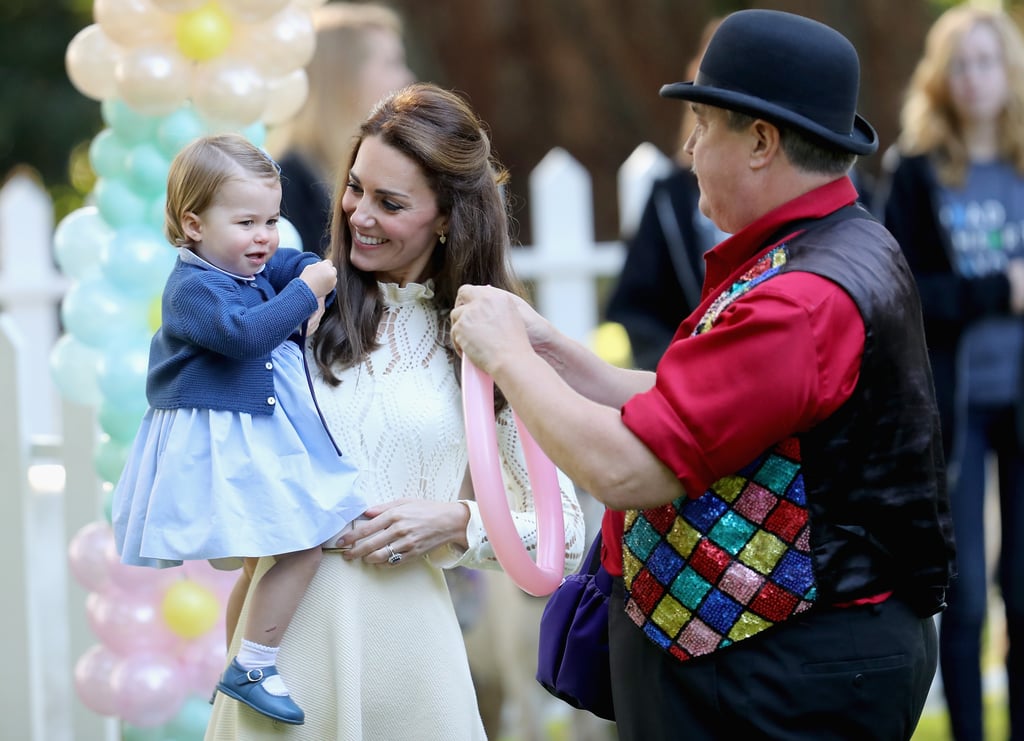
(411, 527)
(489, 323)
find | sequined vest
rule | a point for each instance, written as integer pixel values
(853, 508)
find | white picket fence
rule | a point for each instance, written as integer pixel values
(46, 445)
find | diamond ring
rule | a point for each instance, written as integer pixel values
(394, 557)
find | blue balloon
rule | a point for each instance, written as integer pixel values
(289, 234)
(178, 129)
(118, 203)
(137, 261)
(95, 312)
(78, 240)
(256, 133)
(191, 721)
(121, 421)
(147, 170)
(73, 369)
(109, 457)
(131, 126)
(108, 155)
(121, 373)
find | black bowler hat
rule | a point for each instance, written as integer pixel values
(787, 69)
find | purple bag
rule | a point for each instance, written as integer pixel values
(572, 659)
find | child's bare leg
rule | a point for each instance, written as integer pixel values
(237, 597)
(277, 596)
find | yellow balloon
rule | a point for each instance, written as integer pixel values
(203, 33)
(154, 315)
(189, 609)
(611, 343)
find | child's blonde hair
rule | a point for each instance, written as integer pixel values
(200, 170)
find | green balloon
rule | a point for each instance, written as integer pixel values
(109, 458)
(133, 127)
(147, 170)
(177, 130)
(118, 203)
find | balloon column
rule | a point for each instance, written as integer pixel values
(165, 72)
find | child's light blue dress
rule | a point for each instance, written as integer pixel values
(202, 484)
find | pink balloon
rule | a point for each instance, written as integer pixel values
(92, 679)
(218, 581)
(202, 661)
(129, 623)
(87, 554)
(544, 576)
(138, 579)
(148, 689)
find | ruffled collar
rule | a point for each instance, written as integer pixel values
(393, 294)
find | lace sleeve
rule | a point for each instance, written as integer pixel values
(520, 498)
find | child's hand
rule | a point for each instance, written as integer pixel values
(321, 277)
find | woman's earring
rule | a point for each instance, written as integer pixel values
(442, 237)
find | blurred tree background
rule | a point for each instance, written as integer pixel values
(579, 74)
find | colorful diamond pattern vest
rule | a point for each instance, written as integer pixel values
(701, 574)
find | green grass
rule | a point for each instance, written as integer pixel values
(934, 725)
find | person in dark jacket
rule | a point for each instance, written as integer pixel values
(787, 538)
(954, 199)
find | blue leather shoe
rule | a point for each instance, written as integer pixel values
(247, 687)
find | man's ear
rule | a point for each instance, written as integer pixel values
(765, 143)
(192, 225)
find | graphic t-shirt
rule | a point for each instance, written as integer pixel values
(985, 221)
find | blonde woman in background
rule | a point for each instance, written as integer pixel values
(955, 203)
(359, 57)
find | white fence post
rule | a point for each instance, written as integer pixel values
(637, 174)
(30, 290)
(20, 698)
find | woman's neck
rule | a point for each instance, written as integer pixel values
(981, 140)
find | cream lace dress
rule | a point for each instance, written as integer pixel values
(375, 652)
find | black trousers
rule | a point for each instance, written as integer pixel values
(857, 673)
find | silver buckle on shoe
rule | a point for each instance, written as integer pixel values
(254, 675)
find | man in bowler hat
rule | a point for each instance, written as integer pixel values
(778, 523)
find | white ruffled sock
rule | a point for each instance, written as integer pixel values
(257, 656)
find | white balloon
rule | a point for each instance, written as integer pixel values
(132, 23)
(253, 10)
(90, 59)
(178, 6)
(153, 80)
(285, 96)
(226, 92)
(277, 45)
(288, 234)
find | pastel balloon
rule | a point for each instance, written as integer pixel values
(253, 10)
(78, 240)
(278, 45)
(132, 23)
(192, 719)
(118, 203)
(147, 169)
(610, 342)
(74, 370)
(92, 672)
(156, 215)
(154, 80)
(121, 373)
(131, 125)
(137, 261)
(189, 608)
(218, 581)
(285, 97)
(178, 6)
(92, 307)
(108, 155)
(203, 33)
(129, 622)
(154, 314)
(121, 421)
(544, 576)
(177, 130)
(147, 689)
(109, 458)
(89, 60)
(256, 133)
(202, 661)
(288, 234)
(228, 93)
(138, 579)
(87, 555)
